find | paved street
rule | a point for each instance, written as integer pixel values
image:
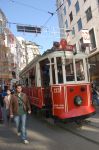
(44, 136)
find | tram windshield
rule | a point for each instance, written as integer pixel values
(68, 70)
(58, 70)
(80, 69)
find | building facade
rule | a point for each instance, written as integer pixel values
(9, 54)
(15, 53)
(5, 73)
(28, 52)
(77, 17)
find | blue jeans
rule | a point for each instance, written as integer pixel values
(5, 114)
(95, 99)
(20, 121)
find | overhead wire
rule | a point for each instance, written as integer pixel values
(52, 15)
(42, 10)
(30, 6)
(26, 5)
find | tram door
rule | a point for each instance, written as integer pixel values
(45, 84)
(44, 69)
(56, 70)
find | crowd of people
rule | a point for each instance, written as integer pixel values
(15, 105)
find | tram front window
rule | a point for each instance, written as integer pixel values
(53, 71)
(59, 69)
(69, 68)
(80, 69)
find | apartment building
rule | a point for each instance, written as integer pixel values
(5, 74)
(77, 17)
(29, 51)
(9, 53)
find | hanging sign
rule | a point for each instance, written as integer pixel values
(85, 36)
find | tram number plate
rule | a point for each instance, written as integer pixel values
(56, 90)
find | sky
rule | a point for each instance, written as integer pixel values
(33, 13)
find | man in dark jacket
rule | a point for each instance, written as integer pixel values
(19, 107)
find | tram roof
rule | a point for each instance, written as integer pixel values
(53, 53)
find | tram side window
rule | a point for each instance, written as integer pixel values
(59, 70)
(33, 80)
(32, 76)
(69, 68)
(26, 82)
(80, 69)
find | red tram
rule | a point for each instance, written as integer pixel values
(58, 82)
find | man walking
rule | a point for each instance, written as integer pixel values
(19, 107)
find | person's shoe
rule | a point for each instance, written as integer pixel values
(26, 142)
(18, 134)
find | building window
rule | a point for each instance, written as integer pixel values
(1, 27)
(92, 38)
(71, 16)
(65, 10)
(97, 2)
(77, 7)
(79, 24)
(66, 23)
(88, 14)
(69, 2)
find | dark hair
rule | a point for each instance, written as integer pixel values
(18, 85)
(8, 90)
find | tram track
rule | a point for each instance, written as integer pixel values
(75, 130)
(90, 125)
(77, 133)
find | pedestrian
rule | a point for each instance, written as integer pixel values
(1, 105)
(19, 107)
(6, 101)
(1, 98)
(97, 96)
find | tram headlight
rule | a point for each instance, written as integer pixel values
(77, 100)
(82, 89)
